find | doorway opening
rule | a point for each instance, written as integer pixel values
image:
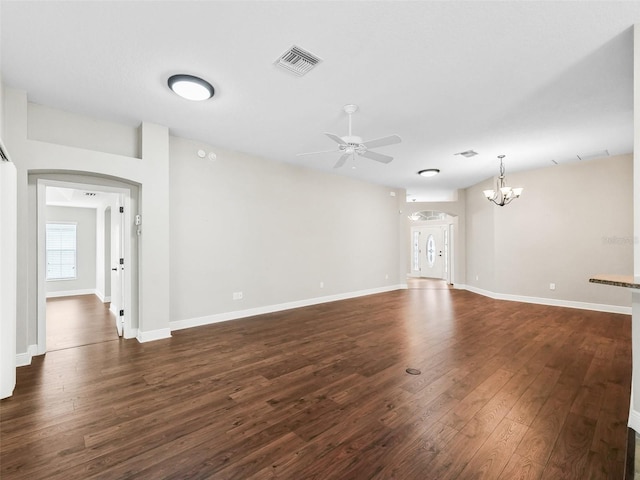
(94, 298)
(432, 247)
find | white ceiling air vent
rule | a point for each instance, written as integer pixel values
(467, 153)
(297, 61)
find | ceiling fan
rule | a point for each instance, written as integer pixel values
(351, 144)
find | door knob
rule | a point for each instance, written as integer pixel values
(114, 269)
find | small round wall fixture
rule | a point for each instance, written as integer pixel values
(190, 87)
(429, 172)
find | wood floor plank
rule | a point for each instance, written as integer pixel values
(540, 439)
(507, 390)
(494, 454)
(413, 457)
(477, 399)
(571, 452)
(527, 407)
(521, 468)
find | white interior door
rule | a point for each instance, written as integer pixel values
(432, 252)
(117, 265)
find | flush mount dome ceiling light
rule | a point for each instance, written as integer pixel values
(429, 172)
(190, 87)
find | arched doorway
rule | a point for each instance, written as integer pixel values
(121, 283)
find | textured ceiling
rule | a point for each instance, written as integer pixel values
(536, 81)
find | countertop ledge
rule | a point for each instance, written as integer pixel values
(626, 281)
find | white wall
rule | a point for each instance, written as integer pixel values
(634, 410)
(273, 232)
(481, 261)
(85, 220)
(8, 249)
(103, 253)
(573, 221)
(63, 128)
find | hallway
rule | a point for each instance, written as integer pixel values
(78, 320)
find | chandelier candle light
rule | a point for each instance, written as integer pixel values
(503, 195)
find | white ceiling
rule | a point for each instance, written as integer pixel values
(70, 197)
(536, 81)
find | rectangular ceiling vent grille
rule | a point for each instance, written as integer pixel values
(468, 153)
(297, 61)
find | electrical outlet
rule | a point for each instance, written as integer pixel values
(386, 277)
(552, 286)
(477, 277)
(321, 284)
(237, 295)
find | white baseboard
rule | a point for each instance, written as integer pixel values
(250, 312)
(634, 417)
(554, 302)
(103, 298)
(153, 335)
(130, 333)
(70, 293)
(24, 359)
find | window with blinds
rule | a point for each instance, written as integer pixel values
(61, 251)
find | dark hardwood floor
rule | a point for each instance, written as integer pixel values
(421, 283)
(507, 391)
(78, 320)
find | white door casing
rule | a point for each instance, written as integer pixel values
(117, 265)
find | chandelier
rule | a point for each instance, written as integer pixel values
(503, 195)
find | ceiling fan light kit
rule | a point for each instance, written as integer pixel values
(502, 195)
(351, 145)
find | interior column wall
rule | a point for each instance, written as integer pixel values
(8, 260)
(634, 414)
(8, 249)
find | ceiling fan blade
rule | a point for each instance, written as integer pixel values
(378, 157)
(314, 153)
(336, 138)
(381, 142)
(341, 160)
